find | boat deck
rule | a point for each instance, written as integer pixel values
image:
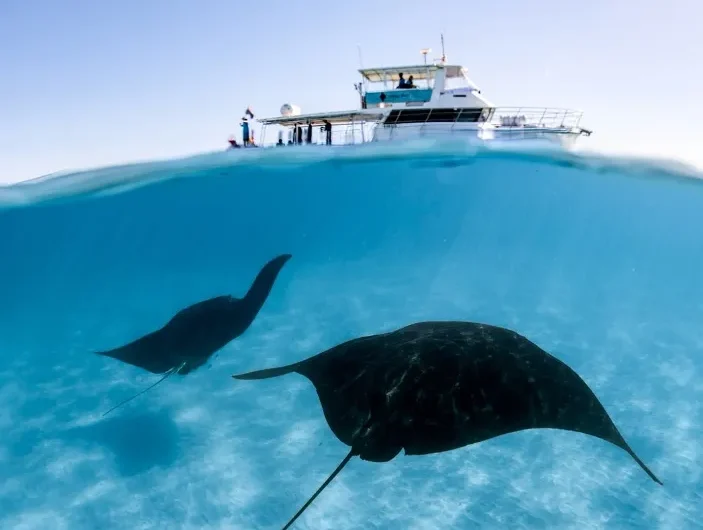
(361, 126)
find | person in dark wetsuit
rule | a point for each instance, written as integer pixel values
(328, 133)
(245, 132)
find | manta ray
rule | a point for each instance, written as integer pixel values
(432, 387)
(195, 333)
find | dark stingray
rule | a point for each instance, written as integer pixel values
(195, 333)
(436, 386)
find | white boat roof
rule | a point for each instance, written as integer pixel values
(418, 71)
(335, 118)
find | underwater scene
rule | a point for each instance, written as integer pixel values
(459, 337)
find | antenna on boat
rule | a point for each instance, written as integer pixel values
(361, 61)
(360, 85)
(424, 52)
(444, 57)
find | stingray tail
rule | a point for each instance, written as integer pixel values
(170, 372)
(618, 439)
(643, 465)
(268, 372)
(263, 283)
(319, 490)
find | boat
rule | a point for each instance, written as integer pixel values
(434, 99)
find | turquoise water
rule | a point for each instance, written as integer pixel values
(599, 261)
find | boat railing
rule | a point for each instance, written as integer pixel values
(342, 134)
(512, 121)
(498, 117)
(535, 117)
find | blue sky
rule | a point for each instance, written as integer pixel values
(93, 83)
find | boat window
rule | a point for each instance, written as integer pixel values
(443, 115)
(389, 81)
(408, 116)
(453, 83)
(470, 115)
(459, 82)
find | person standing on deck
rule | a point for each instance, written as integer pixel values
(246, 137)
(328, 133)
(245, 132)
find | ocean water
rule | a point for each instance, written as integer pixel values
(597, 260)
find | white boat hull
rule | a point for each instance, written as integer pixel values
(565, 137)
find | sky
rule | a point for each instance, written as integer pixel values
(86, 84)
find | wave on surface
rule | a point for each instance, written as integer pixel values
(443, 152)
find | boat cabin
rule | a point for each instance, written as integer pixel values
(419, 85)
